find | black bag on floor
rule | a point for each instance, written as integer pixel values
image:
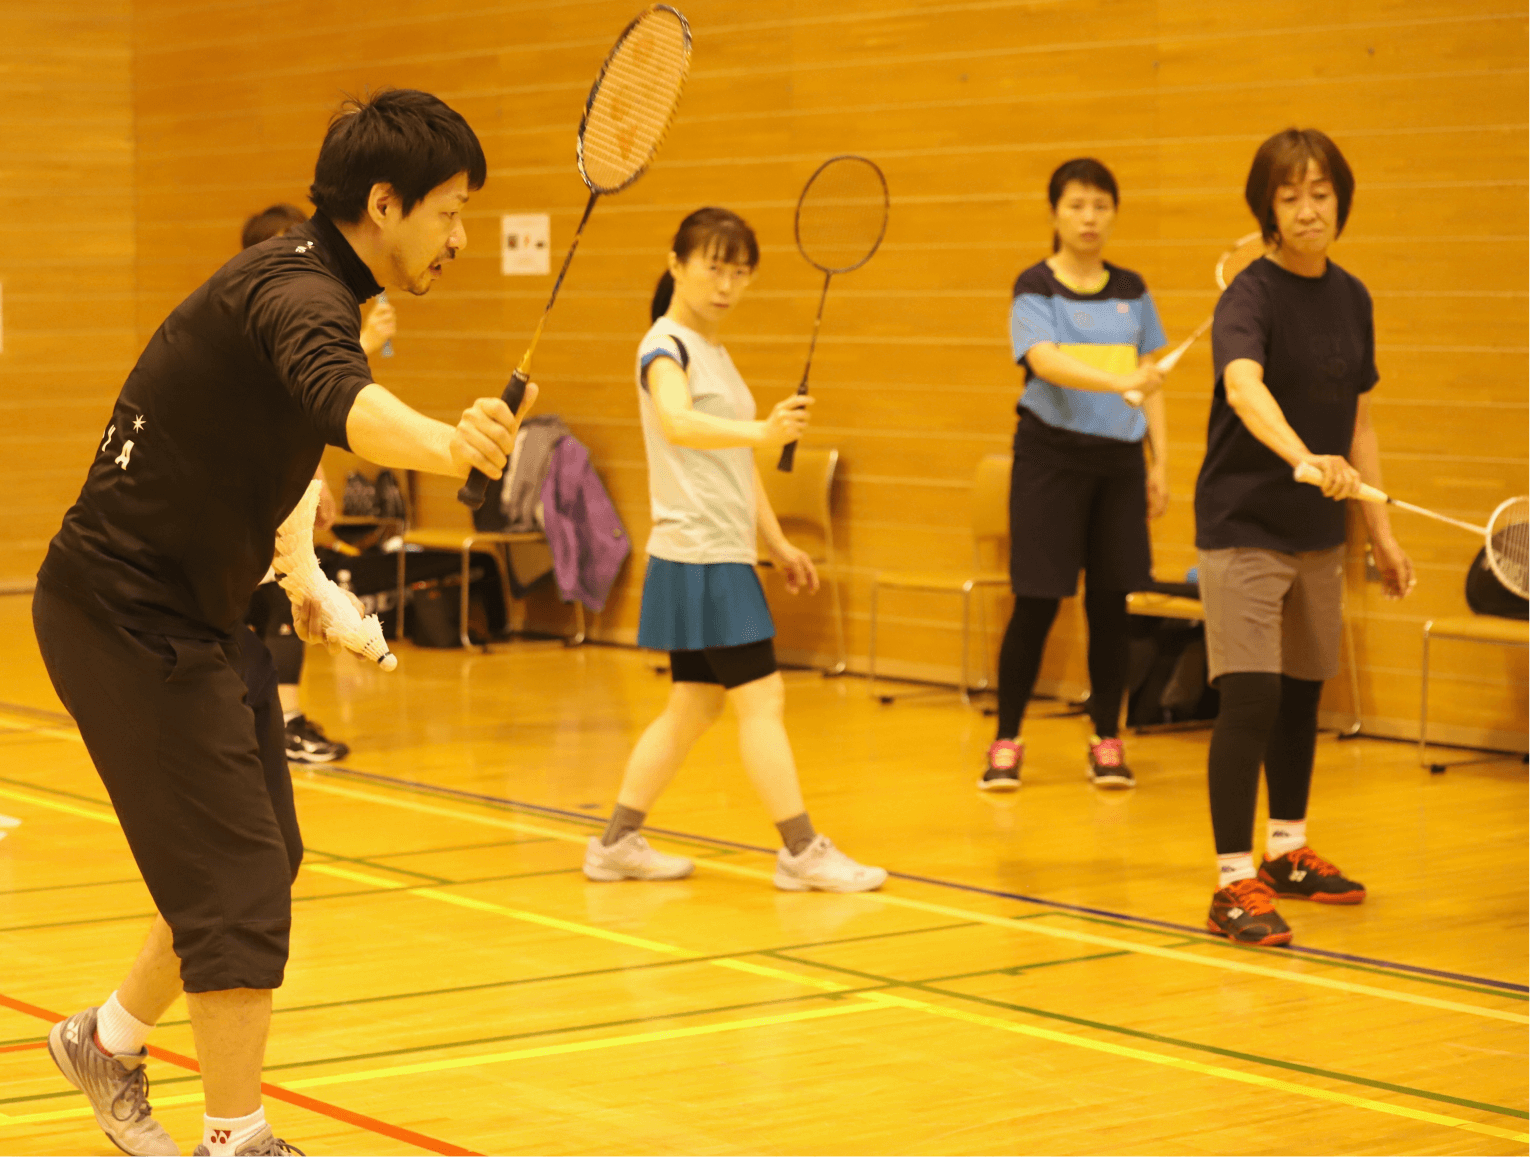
(1166, 672)
(1487, 596)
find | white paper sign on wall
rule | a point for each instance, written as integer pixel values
(524, 242)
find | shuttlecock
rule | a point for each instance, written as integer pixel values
(297, 569)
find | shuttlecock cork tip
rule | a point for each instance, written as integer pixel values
(388, 662)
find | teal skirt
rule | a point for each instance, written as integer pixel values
(692, 606)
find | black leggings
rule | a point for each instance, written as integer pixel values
(1262, 716)
(1026, 639)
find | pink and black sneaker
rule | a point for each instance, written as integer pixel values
(1004, 759)
(1107, 764)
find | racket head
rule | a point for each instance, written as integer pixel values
(633, 100)
(1508, 545)
(1245, 251)
(841, 215)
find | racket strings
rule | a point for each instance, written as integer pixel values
(842, 214)
(1508, 543)
(635, 99)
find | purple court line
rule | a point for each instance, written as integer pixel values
(1146, 921)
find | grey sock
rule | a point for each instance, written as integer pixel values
(797, 833)
(624, 819)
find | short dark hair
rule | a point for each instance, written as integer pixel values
(710, 230)
(269, 223)
(1086, 171)
(1282, 160)
(401, 137)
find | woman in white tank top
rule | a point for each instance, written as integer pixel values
(702, 600)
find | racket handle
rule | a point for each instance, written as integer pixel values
(788, 458)
(1312, 476)
(477, 485)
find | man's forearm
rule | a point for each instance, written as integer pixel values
(384, 430)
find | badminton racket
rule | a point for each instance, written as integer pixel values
(841, 219)
(1506, 536)
(626, 115)
(1245, 251)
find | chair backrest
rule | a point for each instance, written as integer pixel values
(801, 498)
(990, 497)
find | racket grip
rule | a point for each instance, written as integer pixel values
(788, 458)
(1312, 476)
(477, 484)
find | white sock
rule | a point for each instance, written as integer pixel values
(1285, 836)
(222, 1136)
(1231, 869)
(117, 1030)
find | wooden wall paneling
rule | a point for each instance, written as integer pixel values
(967, 108)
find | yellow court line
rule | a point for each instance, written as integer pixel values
(106, 817)
(1030, 927)
(862, 1001)
(576, 1046)
(879, 999)
(30, 727)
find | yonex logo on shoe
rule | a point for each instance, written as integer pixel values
(1234, 913)
(1298, 875)
(72, 1033)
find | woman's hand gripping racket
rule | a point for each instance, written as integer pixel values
(1245, 251)
(626, 115)
(1506, 536)
(841, 218)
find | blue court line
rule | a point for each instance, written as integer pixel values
(1058, 905)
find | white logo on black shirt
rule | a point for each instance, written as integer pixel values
(127, 454)
(110, 430)
(138, 423)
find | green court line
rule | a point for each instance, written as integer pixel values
(1159, 1038)
(365, 862)
(581, 974)
(74, 795)
(65, 887)
(466, 847)
(627, 1022)
(144, 916)
(1263, 954)
(23, 1040)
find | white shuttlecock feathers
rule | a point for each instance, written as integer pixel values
(297, 569)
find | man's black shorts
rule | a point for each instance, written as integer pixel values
(196, 775)
(1073, 509)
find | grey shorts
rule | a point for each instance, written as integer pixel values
(1273, 612)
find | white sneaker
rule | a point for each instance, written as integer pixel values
(630, 858)
(824, 867)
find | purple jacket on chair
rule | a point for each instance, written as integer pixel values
(586, 536)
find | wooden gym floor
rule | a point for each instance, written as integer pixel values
(1034, 979)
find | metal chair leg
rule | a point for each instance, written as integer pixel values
(578, 636)
(840, 658)
(871, 645)
(1423, 704)
(398, 623)
(1354, 680)
(462, 622)
(966, 616)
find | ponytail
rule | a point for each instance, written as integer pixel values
(663, 293)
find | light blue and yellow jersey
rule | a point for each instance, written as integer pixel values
(1109, 329)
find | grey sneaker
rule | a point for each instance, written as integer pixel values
(824, 867)
(630, 858)
(116, 1087)
(267, 1144)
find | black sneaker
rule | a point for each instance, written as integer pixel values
(1245, 912)
(1004, 759)
(1305, 875)
(1107, 764)
(307, 743)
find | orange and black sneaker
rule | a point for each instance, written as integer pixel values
(1305, 875)
(1245, 911)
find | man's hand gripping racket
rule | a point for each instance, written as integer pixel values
(626, 115)
(321, 611)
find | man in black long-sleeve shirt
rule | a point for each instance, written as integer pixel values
(211, 443)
